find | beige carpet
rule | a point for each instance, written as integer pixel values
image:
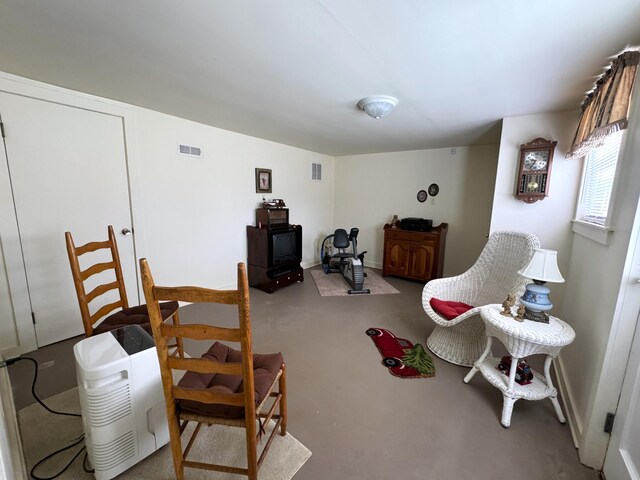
(360, 422)
(334, 284)
(42, 433)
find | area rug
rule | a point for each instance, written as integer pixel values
(335, 285)
(400, 356)
(43, 432)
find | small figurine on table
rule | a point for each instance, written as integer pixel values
(520, 314)
(395, 221)
(507, 304)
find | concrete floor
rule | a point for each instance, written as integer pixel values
(358, 420)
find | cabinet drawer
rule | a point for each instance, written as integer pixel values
(288, 278)
(396, 234)
(409, 236)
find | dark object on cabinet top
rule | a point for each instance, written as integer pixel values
(416, 224)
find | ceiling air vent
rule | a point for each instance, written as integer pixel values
(189, 150)
(316, 171)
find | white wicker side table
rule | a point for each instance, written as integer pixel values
(521, 339)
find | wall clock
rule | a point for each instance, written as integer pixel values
(534, 170)
(422, 196)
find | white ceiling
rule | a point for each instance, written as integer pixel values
(293, 71)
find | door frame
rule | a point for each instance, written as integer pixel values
(614, 459)
(630, 320)
(16, 272)
(594, 441)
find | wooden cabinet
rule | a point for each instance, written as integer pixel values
(414, 255)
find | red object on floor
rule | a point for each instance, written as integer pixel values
(392, 350)
(449, 309)
(524, 375)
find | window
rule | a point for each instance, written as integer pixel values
(597, 184)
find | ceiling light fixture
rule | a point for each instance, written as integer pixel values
(378, 106)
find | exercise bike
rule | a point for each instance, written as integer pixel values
(349, 264)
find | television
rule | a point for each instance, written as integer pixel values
(285, 246)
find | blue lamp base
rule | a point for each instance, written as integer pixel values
(536, 302)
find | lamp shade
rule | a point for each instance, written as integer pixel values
(543, 267)
(378, 106)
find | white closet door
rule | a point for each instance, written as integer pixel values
(68, 172)
(623, 455)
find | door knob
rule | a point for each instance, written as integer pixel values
(126, 231)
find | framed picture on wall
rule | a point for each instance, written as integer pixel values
(263, 180)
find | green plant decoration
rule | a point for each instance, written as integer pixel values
(417, 358)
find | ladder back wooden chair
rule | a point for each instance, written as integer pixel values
(225, 386)
(124, 315)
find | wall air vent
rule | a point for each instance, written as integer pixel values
(316, 171)
(189, 150)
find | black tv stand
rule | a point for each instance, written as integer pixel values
(278, 272)
(265, 272)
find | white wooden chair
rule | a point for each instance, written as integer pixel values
(494, 275)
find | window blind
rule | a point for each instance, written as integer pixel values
(600, 172)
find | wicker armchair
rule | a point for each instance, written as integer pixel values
(494, 275)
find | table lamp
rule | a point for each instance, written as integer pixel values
(542, 268)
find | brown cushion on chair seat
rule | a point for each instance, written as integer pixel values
(134, 316)
(265, 370)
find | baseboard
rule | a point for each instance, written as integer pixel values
(367, 264)
(305, 265)
(7, 353)
(233, 286)
(564, 389)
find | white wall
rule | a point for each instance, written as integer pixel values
(548, 219)
(370, 189)
(590, 369)
(189, 214)
(194, 211)
(8, 335)
(596, 306)
(14, 299)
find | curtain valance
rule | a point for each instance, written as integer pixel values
(606, 108)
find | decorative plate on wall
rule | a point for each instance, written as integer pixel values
(434, 189)
(422, 196)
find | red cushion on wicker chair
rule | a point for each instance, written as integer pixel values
(449, 309)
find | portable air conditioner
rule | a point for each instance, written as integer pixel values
(121, 397)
